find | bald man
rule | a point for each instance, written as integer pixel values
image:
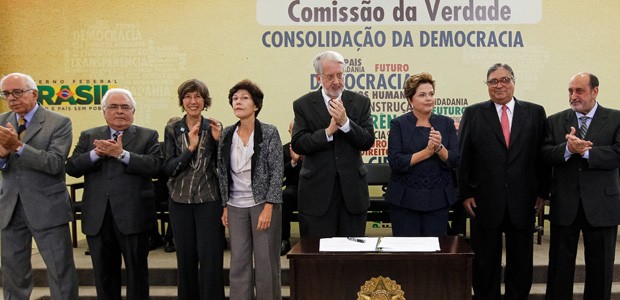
(582, 144)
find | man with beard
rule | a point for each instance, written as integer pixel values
(332, 127)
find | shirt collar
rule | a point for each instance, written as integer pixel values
(29, 115)
(112, 132)
(590, 114)
(510, 104)
(327, 98)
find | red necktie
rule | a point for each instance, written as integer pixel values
(505, 125)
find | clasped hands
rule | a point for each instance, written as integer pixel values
(577, 145)
(434, 141)
(9, 141)
(339, 115)
(109, 147)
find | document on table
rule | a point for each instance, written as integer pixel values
(380, 244)
(343, 244)
(408, 244)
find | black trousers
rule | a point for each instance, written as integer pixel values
(199, 241)
(337, 221)
(599, 249)
(487, 268)
(106, 250)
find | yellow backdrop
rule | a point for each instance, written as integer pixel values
(75, 50)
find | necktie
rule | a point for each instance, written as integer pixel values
(505, 125)
(584, 126)
(115, 135)
(21, 128)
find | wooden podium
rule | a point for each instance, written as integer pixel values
(445, 274)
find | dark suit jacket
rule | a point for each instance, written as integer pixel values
(37, 177)
(291, 174)
(428, 185)
(595, 180)
(323, 159)
(498, 178)
(128, 188)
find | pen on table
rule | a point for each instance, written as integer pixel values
(356, 240)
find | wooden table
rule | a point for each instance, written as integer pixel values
(445, 274)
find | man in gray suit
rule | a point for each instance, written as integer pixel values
(118, 162)
(34, 203)
(582, 145)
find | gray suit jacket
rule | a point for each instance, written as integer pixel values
(128, 188)
(595, 181)
(38, 175)
(323, 159)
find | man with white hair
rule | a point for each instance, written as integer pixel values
(34, 203)
(118, 162)
(332, 127)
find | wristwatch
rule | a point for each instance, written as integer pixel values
(439, 148)
(122, 155)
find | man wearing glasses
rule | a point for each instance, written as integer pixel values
(502, 181)
(118, 162)
(332, 127)
(34, 203)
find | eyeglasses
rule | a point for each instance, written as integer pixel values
(495, 81)
(16, 93)
(331, 77)
(123, 107)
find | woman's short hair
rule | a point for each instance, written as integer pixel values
(252, 88)
(414, 81)
(194, 85)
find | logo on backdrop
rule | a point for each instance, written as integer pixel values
(74, 94)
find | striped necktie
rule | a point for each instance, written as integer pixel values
(584, 126)
(21, 127)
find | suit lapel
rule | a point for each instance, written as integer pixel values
(597, 123)
(347, 101)
(519, 119)
(571, 121)
(227, 143)
(36, 124)
(11, 118)
(258, 144)
(490, 115)
(318, 104)
(129, 135)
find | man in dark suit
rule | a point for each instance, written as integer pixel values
(34, 202)
(582, 145)
(332, 127)
(118, 162)
(502, 181)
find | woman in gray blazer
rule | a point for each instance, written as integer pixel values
(250, 167)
